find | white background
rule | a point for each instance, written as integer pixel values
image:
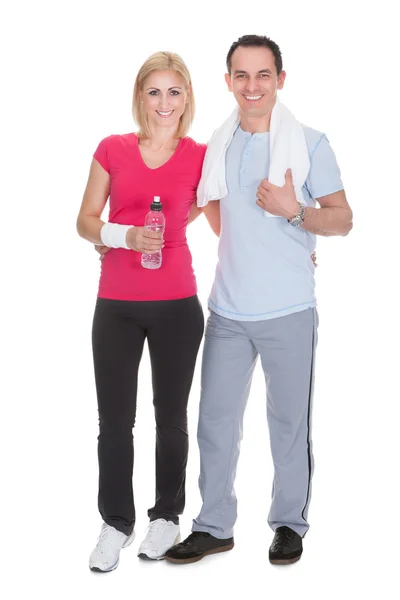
(67, 76)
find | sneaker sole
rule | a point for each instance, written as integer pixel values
(97, 570)
(144, 556)
(127, 543)
(185, 561)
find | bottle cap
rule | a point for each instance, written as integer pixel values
(156, 204)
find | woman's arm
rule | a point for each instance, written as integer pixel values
(211, 212)
(89, 224)
(94, 200)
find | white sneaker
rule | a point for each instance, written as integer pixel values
(105, 557)
(161, 536)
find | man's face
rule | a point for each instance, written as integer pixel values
(254, 80)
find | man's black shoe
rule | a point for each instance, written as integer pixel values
(196, 546)
(286, 547)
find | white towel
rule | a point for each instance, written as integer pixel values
(288, 150)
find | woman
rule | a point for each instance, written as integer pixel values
(135, 303)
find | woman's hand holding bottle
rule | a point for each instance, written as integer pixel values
(143, 240)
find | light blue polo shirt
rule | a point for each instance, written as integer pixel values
(264, 265)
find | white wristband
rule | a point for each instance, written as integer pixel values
(113, 235)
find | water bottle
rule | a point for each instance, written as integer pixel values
(154, 221)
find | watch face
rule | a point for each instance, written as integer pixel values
(297, 221)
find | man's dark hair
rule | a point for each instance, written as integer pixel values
(249, 41)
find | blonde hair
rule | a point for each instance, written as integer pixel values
(162, 61)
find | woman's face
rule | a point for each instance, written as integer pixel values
(164, 98)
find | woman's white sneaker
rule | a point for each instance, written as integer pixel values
(105, 557)
(161, 536)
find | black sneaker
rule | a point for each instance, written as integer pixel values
(286, 547)
(196, 546)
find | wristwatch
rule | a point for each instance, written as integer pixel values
(298, 220)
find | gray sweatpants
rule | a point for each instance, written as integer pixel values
(286, 346)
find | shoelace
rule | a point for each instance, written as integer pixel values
(285, 537)
(156, 529)
(192, 537)
(106, 534)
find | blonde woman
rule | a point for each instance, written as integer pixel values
(135, 303)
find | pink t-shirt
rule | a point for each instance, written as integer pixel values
(133, 186)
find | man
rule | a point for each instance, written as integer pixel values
(262, 303)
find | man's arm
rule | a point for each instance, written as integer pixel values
(213, 216)
(334, 217)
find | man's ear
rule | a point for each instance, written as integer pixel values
(281, 79)
(228, 81)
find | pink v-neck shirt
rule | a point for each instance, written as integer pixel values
(133, 186)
